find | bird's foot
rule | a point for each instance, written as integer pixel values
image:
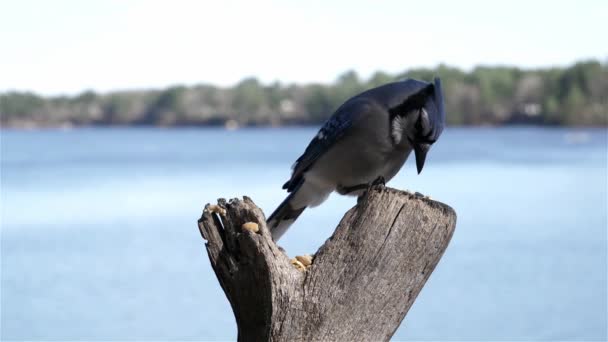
(302, 262)
(346, 190)
(379, 181)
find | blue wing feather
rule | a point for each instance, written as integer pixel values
(333, 130)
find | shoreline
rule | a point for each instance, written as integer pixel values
(67, 128)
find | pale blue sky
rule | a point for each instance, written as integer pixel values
(67, 46)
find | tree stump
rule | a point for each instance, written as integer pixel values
(362, 281)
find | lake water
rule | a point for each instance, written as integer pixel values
(99, 236)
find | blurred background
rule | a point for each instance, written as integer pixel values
(120, 120)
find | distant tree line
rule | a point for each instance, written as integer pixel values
(576, 95)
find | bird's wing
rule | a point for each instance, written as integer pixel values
(333, 130)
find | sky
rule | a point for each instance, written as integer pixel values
(63, 47)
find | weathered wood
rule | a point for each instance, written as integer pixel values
(361, 284)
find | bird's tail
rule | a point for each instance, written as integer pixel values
(284, 216)
(305, 194)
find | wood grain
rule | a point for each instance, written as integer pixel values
(361, 284)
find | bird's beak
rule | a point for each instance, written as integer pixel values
(420, 150)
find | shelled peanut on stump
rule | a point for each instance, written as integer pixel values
(251, 226)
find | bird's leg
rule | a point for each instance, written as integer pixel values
(345, 190)
(379, 181)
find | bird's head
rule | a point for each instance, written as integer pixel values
(419, 117)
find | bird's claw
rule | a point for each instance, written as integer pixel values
(345, 190)
(379, 181)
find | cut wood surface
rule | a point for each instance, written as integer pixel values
(362, 281)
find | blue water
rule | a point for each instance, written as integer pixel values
(99, 237)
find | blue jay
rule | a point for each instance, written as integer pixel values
(366, 141)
